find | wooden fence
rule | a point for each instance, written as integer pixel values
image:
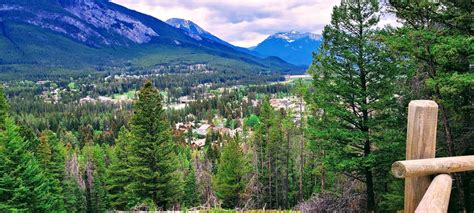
(423, 193)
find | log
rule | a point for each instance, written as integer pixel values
(425, 167)
(436, 199)
(421, 143)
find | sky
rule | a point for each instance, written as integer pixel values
(243, 23)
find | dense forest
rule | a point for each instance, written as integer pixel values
(248, 142)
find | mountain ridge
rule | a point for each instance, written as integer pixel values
(98, 35)
(195, 31)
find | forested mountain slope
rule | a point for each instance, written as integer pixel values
(100, 35)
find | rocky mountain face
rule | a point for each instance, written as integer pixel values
(96, 23)
(293, 47)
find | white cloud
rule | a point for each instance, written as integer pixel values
(242, 22)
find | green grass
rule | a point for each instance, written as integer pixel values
(128, 95)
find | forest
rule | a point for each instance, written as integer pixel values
(248, 142)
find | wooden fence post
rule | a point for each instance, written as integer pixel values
(421, 143)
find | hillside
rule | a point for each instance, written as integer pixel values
(71, 35)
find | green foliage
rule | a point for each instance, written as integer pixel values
(439, 45)
(229, 178)
(153, 160)
(191, 196)
(356, 81)
(252, 121)
(23, 184)
(118, 171)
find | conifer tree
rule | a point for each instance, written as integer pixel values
(23, 185)
(355, 82)
(154, 163)
(118, 175)
(436, 40)
(50, 154)
(229, 177)
(191, 196)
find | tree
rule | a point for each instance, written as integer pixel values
(51, 155)
(229, 177)
(118, 175)
(153, 160)
(262, 150)
(191, 196)
(355, 83)
(436, 40)
(23, 185)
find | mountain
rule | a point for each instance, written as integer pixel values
(89, 35)
(195, 31)
(293, 47)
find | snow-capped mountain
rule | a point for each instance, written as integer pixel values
(293, 46)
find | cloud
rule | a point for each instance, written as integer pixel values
(242, 22)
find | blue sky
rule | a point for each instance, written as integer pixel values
(243, 22)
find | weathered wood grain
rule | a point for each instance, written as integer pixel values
(436, 199)
(424, 167)
(421, 143)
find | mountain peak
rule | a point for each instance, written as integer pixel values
(187, 25)
(292, 46)
(293, 35)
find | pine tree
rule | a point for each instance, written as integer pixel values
(436, 40)
(229, 177)
(262, 150)
(191, 196)
(23, 185)
(355, 81)
(50, 154)
(118, 175)
(154, 161)
(74, 198)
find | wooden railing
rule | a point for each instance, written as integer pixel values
(422, 192)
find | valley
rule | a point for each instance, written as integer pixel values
(236, 106)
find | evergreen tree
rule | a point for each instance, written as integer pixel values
(436, 40)
(51, 155)
(191, 196)
(262, 150)
(229, 177)
(74, 199)
(23, 185)
(118, 175)
(355, 81)
(153, 161)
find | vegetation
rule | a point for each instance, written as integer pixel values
(209, 138)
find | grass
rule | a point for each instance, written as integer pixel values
(247, 211)
(128, 95)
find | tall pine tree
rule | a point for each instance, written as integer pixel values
(229, 178)
(355, 82)
(153, 160)
(23, 184)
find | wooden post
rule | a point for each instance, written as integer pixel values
(436, 199)
(431, 166)
(421, 143)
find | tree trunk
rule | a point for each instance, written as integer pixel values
(451, 152)
(301, 152)
(287, 169)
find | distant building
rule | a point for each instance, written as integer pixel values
(87, 99)
(203, 129)
(198, 143)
